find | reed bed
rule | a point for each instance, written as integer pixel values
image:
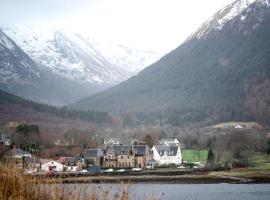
(15, 185)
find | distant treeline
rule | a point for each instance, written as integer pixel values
(63, 112)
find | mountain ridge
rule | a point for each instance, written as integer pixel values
(24, 77)
(44, 45)
(205, 79)
(57, 67)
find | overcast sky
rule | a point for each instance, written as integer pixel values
(146, 24)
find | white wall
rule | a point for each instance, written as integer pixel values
(72, 168)
(166, 160)
(58, 166)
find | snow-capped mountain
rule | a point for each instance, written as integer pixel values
(80, 58)
(128, 59)
(240, 11)
(49, 65)
(21, 75)
(15, 65)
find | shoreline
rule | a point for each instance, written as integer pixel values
(214, 178)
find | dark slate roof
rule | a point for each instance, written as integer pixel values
(140, 149)
(89, 153)
(128, 149)
(71, 161)
(120, 149)
(169, 150)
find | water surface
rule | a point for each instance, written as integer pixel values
(183, 191)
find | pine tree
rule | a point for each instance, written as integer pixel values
(210, 156)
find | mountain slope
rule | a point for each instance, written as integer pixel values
(79, 58)
(11, 105)
(21, 75)
(220, 73)
(57, 67)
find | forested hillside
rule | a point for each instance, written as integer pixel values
(9, 102)
(220, 73)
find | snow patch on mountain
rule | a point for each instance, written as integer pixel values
(129, 59)
(232, 11)
(221, 18)
(80, 58)
(6, 42)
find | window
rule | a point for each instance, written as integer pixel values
(122, 157)
(128, 157)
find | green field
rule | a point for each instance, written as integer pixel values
(260, 161)
(194, 155)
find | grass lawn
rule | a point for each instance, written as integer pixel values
(194, 155)
(260, 161)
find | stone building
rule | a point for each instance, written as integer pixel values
(126, 156)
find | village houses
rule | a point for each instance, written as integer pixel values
(62, 164)
(5, 140)
(114, 155)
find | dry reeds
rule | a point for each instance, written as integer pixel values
(14, 185)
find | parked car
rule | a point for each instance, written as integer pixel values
(181, 167)
(201, 165)
(83, 171)
(121, 170)
(94, 170)
(136, 169)
(108, 170)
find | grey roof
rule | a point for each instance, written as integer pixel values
(169, 150)
(71, 161)
(4, 138)
(120, 149)
(90, 153)
(19, 152)
(140, 149)
(128, 149)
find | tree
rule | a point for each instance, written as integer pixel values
(27, 137)
(268, 147)
(241, 146)
(210, 156)
(148, 139)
